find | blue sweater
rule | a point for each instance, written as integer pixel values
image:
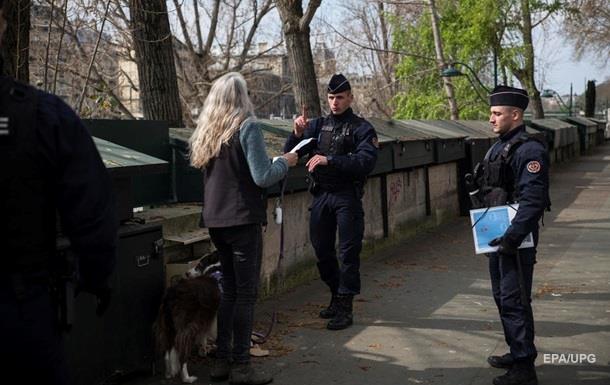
(264, 172)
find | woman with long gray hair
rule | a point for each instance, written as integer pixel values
(228, 145)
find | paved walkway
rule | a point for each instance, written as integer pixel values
(426, 315)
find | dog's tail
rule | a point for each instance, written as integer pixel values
(164, 330)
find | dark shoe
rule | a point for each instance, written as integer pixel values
(331, 310)
(220, 369)
(245, 374)
(522, 373)
(340, 321)
(501, 362)
(344, 318)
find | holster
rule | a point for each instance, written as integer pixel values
(63, 286)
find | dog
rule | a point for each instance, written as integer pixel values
(187, 315)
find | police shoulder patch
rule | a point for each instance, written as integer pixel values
(534, 167)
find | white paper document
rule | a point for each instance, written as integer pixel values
(491, 223)
(302, 144)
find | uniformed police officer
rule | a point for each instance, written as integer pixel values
(516, 169)
(48, 164)
(344, 154)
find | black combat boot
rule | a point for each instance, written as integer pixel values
(331, 310)
(344, 317)
(501, 362)
(522, 373)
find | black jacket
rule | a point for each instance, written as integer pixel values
(230, 196)
(49, 164)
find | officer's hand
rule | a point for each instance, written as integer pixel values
(504, 247)
(292, 158)
(300, 123)
(315, 161)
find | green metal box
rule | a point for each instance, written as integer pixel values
(187, 181)
(448, 146)
(410, 148)
(124, 165)
(587, 131)
(121, 341)
(145, 136)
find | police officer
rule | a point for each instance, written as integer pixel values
(48, 164)
(344, 153)
(515, 169)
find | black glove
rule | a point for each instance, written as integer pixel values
(102, 294)
(504, 246)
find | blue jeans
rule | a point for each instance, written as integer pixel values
(240, 249)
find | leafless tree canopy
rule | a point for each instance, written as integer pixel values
(209, 38)
(588, 27)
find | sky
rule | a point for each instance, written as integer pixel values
(556, 65)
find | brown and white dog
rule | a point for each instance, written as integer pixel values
(187, 315)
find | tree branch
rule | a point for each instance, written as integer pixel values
(403, 53)
(97, 44)
(309, 13)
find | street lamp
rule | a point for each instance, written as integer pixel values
(548, 93)
(450, 71)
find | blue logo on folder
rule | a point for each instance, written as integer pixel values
(492, 222)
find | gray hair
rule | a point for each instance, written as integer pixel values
(226, 107)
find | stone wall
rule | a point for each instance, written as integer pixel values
(406, 193)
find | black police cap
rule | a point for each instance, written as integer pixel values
(509, 96)
(337, 84)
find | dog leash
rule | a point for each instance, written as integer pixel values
(279, 218)
(261, 338)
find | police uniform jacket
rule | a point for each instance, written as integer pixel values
(49, 165)
(528, 180)
(351, 148)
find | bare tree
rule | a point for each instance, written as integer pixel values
(365, 45)
(201, 60)
(587, 25)
(15, 48)
(296, 28)
(152, 40)
(524, 69)
(440, 60)
(74, 55)
(70, 53)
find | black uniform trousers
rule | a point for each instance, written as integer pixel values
(31, 348)
(517, 319)
(340, 210)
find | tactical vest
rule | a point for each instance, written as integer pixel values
(27, 201)
(498, 184)
(335, 138)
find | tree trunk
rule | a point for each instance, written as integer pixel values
(590, 99)
(526, 75)
(15, 47)
(152, 40)
(440, 59)
(300, 58)
(304, 78)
